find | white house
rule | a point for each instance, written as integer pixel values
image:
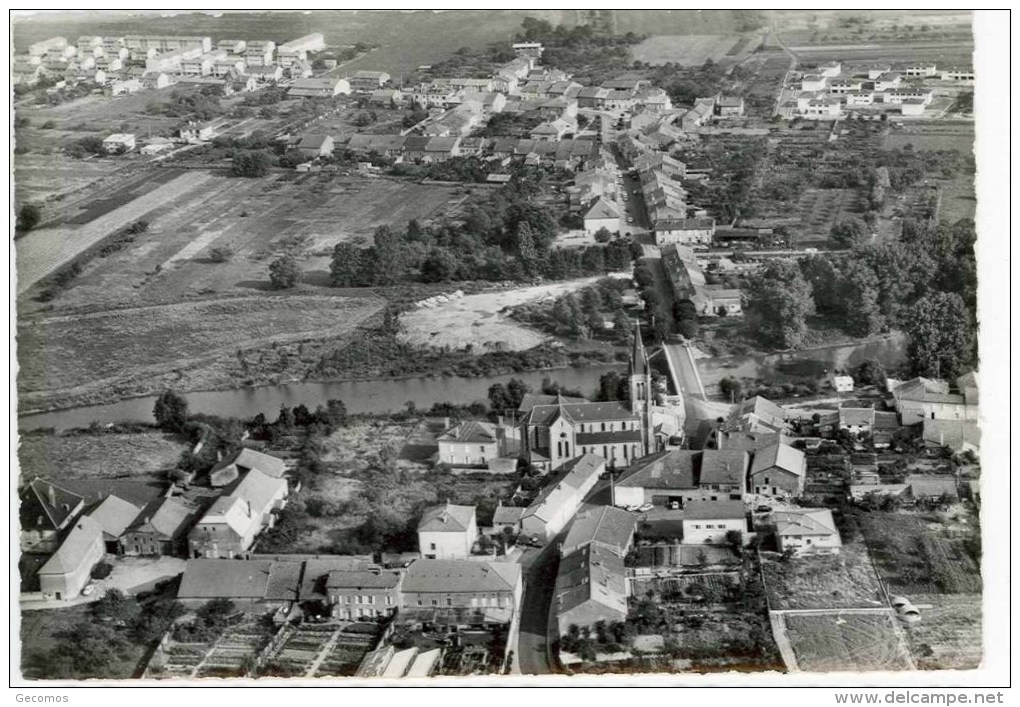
(447, 532)
(813, 82)
(557, 503)
(807, 530)
(119, 143)
(707, 522)
(602, 214)
(232, 523)
(778, 470)
(69, 568)
(470, 443)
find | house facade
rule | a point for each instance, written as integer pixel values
(369, 593)
(559, 500)
(462, 584)
(470, 443)
(232, 523)
(778, 470)
(69, 569)
(708, 522)
(807, 531)
(447, 532)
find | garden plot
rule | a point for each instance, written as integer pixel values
(842, 581)
(948, 636)
(820, 209)
(297, 653)
(349, 648)
(918, 554)
(847, 641)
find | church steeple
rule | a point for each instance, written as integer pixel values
(640, 384)
(638, 357)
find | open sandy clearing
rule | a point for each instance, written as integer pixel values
(481, 320)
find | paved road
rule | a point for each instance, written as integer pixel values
(685, 369)
(540, 581)
(537, 628)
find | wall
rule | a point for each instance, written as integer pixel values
(698, 532)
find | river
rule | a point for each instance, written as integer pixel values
(373, 396)
(382, 396)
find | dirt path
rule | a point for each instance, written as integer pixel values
(45, 250)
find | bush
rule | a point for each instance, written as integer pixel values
(251, 163)
(220, 254)
(102, 570)
(28, 217)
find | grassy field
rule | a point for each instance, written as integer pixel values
(349, 448)
(39, 177)
(141, 350)
(948, 636)
(104, 455)
(685, 50)
(38, 629)
(918, 555)
(843, 581)
(846, 642)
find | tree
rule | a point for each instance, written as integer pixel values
(499, 398)
(525, 246)
(440, 265)
(731, 388)
(345, 268)
(941, 336)
(823, 277)
(849, 233)
(28, 217)
(251, 163)
(603, 235)
(516, 390)
(88, 649)
(612, 386)
(117, 607)
(284, 273)
(871, 372)
(388, 263)
(779, 302)
(170, 411)
(863, 316)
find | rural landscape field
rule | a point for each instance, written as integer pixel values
(388, 345)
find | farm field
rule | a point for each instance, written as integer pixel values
(686, 50)
(480, 320)
(39, 177)
(105, 114)
(950, 51)
(304, 215)
(843, 581)
(138, 351)
(916, 554)
(948, 636)
(846, 642)
(101, 455)
(46, 249)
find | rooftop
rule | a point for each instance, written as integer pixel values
(456, 576)
(713, 510)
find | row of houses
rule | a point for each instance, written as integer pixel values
(568, 154)
(355, 587)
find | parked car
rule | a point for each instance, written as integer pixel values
(88, 589)
(644, 508)
(674, 506)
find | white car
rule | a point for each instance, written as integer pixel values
(646, 507)
(88, 589)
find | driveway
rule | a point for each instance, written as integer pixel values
(131, 575)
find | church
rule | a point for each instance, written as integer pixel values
(618, 431)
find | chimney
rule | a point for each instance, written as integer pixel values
(51, 494)
(219, 455)
(247, 505)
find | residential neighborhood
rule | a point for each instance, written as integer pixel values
(602, 342)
